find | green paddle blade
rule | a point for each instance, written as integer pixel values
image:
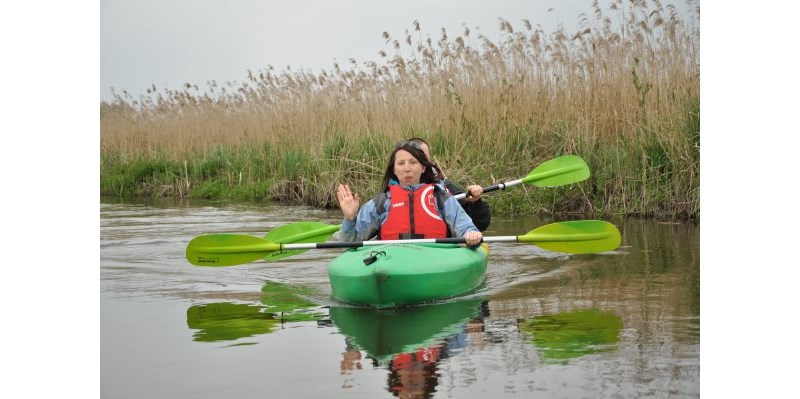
(227, 249)
(575, 237)
(559, 171)
(296, 233)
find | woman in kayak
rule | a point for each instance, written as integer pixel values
(417, 207)
(476, 208)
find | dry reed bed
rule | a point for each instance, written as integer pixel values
(622, 92)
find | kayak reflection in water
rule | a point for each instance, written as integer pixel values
(415, 373)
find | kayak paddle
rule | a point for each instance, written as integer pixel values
(573, 237)
(299, 232)
(566, 169)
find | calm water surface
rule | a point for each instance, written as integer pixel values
(620, 324)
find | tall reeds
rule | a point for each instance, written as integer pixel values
(623, 92)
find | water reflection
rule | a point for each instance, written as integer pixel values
(409, 342)
(147, 291)
(225, 321)
(568, 335)
(229, 321)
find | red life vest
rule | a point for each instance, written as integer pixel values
(413, 213)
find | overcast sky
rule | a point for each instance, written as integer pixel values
(169, 43)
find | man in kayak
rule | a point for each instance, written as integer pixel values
(476, 208)
(417, 207)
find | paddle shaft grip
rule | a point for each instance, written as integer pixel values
(499, 186)
(358, 244)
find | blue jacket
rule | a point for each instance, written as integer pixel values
(368, 221)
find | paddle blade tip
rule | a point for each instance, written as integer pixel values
(227, 249)
(576, 237)
(561, 171)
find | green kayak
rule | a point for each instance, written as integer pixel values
(405, 274)
(384, 333)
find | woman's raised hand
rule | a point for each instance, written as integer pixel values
(348, 202)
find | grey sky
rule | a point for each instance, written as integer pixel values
(169, 43)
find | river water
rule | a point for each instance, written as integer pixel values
(619, 324)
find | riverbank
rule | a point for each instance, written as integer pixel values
(624, 98)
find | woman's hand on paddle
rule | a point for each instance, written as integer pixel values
(475, 191)
(473, 238)
(348, 202)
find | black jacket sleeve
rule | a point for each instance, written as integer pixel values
(478, 211)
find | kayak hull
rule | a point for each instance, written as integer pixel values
(384, 333)
(406, 274)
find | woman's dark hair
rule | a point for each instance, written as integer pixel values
(416, 152)
(418, 142)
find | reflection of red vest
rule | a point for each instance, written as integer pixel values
(413, 213)
(423, 356)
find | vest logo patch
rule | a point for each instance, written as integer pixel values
(428, 194)
(398, 204)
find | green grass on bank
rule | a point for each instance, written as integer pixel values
(643, 177)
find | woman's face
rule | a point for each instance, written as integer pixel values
(407, 168)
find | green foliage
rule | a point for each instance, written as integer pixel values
(657, 161)
(642, 88)
(334, 146)
(212, 166)
(692, 124)
(292, 163)
(120, 176)
(210, 190)
(646, 175)
(257, 191)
